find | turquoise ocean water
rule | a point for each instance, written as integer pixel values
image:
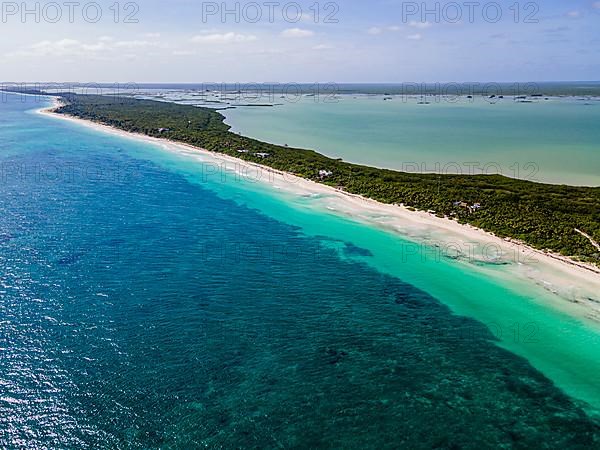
(144, 305)
(554, 140)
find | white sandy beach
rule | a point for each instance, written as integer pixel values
(576, 285)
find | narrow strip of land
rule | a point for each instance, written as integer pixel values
(542, 216)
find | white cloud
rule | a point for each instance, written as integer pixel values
(75, 48)
(63, 47)
(133, 44)
(420, 25)
(151, 35)
(574, 14)
(223, 38)
(380, 30)
(323, 47)
(297, 33)
(414, 37)
(94, 48)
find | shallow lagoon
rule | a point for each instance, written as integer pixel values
(555, 140)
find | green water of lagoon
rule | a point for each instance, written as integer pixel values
(555, 140)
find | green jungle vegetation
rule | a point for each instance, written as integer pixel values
(543, 216)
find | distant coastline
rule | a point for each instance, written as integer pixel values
(416, 87)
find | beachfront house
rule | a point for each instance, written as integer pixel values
(475, 207)
(471, 208)
(324, 174)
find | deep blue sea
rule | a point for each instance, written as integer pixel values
(140, 309)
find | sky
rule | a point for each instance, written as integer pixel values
(374, 41)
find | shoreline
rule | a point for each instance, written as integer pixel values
(573, 282)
